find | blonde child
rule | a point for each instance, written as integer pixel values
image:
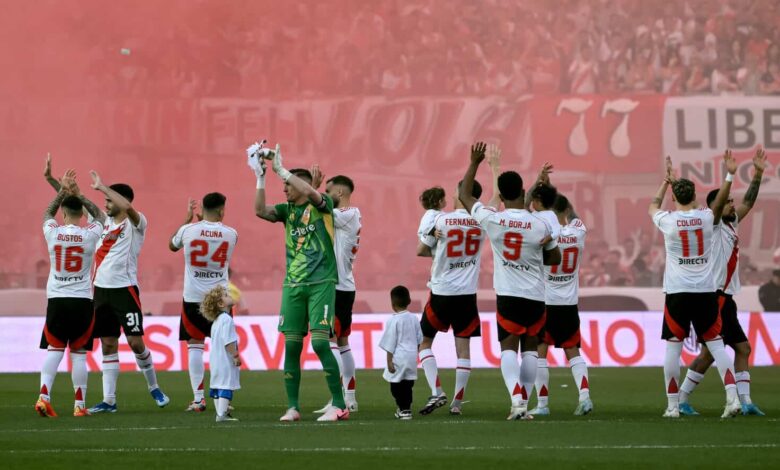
(401, 338)
(223, 358)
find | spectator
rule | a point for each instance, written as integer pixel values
(769, 293)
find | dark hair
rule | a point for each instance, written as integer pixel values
(684, 191)
(561, 204)
(399, 296)
(776, 272)
(213, 201)
(343, 181)
(711, 196)
(431, 197)
(124, 189)
(510, 185)
(302, 173)
(72, 205)
(476, 190)
(545, 194)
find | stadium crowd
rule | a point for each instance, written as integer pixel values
(455, 47)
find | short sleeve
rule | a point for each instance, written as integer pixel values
(49, 226)
(662, 220)
(95, 229)
(327, 204)
(389, 337)
(141, 227)
(346, 219)
(230, 331)
(419, 332)
(178, 239)
(482, 213)
(282, 211)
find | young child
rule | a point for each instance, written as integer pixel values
(223, 358)
(401, 339)
(433, 201)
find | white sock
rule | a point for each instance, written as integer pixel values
(579, 370)
(428, 363)
(672, 372)
(528, 367)
(221, 405)
(145, 363)
(692, 379)
(743, 387)
(510, 370)
(334, 348)
(542, 383)
(462, 373)
(78, 375)
(348, 370)
(725, 367)
(49, 371)
(110, 377)
(196, 368)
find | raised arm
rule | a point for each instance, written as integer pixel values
(467, 187)
(192, 205)
(543, 178)
(68, 182)
(551, 257)
(255, 160)
(47, 174)
(658, 200)
(119, 201)
(759, 165)
(300, 185)
(51, 209)
(723, 193)
(494, 161)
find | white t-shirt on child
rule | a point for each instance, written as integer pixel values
(401, 338)
(224, 375)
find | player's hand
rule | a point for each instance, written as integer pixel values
(494, 157)
(438, 234)
(316, 176)
(192, 206)
(544, 174)
(68, 183)
(97, 183)
(255, 154)
(278, 166)
(47, 169)
(391, 367)
(669, 177)
(237, 361)
(759, 159)
(730, 162)
(478, 153)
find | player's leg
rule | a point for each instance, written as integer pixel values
(293, 323)
(676, 327)
(321, 310)
(107, 328)
(542, 383)
(465, 325)
(55, 351)
(509, 331)
(532, 318)
(579, 370)
(193, 328)
(80, 341)
(344, 302)
(696, 370)
(734, 336)
(431, 323)
(133, 326)
(707, 324)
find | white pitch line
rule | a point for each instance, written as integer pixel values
(390, 449)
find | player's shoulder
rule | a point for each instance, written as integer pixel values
(577, 224)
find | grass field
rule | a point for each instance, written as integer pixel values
(624, 430)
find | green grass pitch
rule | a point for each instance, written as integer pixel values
(625, 430)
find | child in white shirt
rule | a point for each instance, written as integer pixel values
(433, 201)
(401, 339)
(223, 358)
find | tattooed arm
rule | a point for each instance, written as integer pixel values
(759, 164)
(51, 210)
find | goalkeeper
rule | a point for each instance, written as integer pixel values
(309, 290)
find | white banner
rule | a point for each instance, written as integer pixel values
(608, 340)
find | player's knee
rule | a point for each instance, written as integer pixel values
(136, 344)
(109, 345)
(743, 349)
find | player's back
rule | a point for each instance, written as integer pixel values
(516, 237)
(347, 221)
(457, 255)
(562, 280)
(116, 260)
(688, 243)
(725, 257)
(208, 247)
(71, 251)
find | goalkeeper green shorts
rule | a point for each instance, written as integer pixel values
(307, 308)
